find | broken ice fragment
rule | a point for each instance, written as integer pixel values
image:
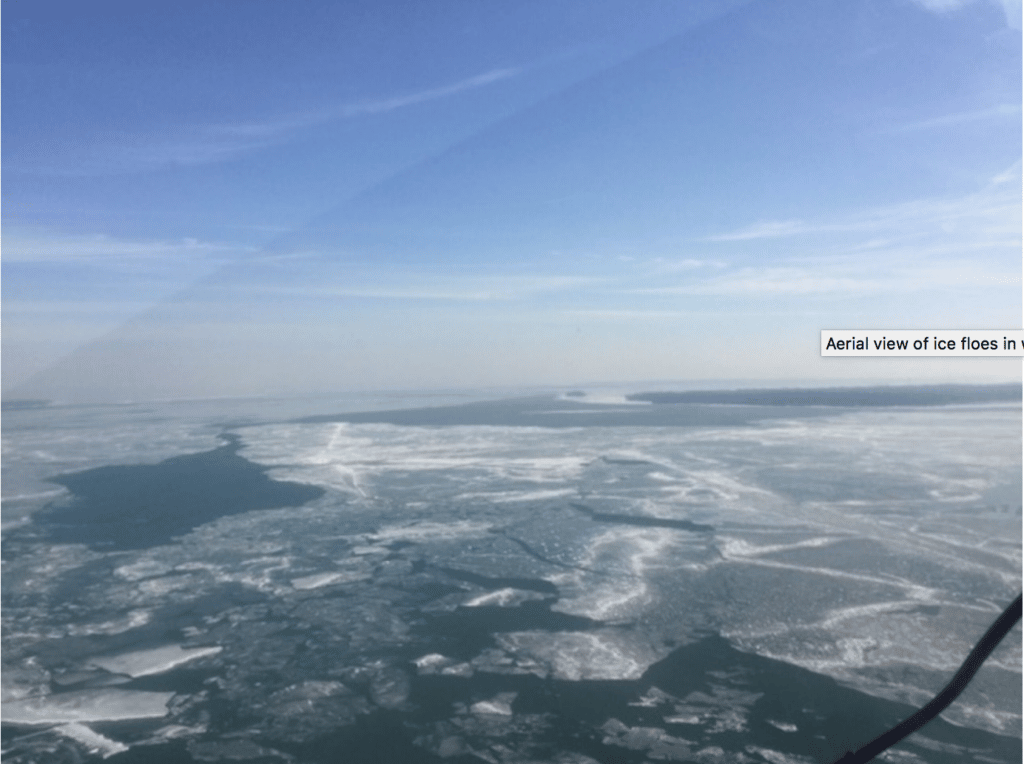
(22, 681)
(682, 719)
(306, 710)
(499, 705)
(87, 706)
(435, 663)
(325, 579)
(582, 655)
(306, 691)
(657, 742)
(88, 679)
(389, 687)
(507, 597)
(93, 741)
(653, 697)
(155, 661)
(429, 664)
(459, 669)
(451, 746)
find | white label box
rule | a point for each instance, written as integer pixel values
(931, 343)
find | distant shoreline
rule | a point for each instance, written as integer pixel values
(904, 395)
(586, 399)
(698, 408)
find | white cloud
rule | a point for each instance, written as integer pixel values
(41, 246)
(669, 265)
(778, 281)
(765, 230)
(627, 314)
(381, 105)
(942, 6)
(995, 210)
(1000, 111)
(221, 141)
(967, 242)
(455, 289)
(1011, 8)
(846, 277)
(1009, 175)
(209, 143)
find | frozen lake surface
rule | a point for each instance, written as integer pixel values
(549, 579)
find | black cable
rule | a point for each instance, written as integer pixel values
(938, 704)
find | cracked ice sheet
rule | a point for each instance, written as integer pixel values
(575, 656)
(350, 458)
(628, 554)
(826, 575)
(792, 500)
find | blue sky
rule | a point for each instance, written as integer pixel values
(238, 198)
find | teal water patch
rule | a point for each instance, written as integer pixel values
(141, 506)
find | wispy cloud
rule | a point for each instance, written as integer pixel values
(626, 314)
(1001, 111)
(41, 246)
(779, 280)
(839, 279)
(1009, 175)
(848, 277)
(672, 265)
(1012, 8)
(262, 132)
(967, 242)
(457, 289)
(770, 229)
(994, 209)
(379, 106)
(209, 143)
(18, 310)
(942, 6)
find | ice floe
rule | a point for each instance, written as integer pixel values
(499, 705)
(439, 664)
(81, 706)
(575, 656)
(430, 531)
(428, 664)
(507, 597)
(317, 580)
(802, 564)
(93, 741)
(390, 687)
(657, 742)
(153, 661)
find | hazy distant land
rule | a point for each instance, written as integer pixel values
(904, 395)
